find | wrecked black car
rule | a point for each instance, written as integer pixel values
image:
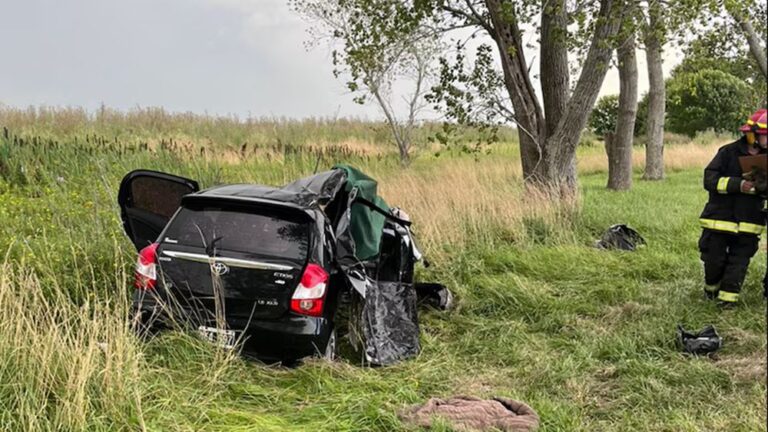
(265, 270)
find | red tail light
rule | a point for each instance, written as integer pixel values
(146, 268)
(309, 296)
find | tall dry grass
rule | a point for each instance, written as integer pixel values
(462, 202)
(677, 157)
(58, 372)
(152, 124)
(465, 201)
(80, 367)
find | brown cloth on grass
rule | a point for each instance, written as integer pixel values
(465, 413)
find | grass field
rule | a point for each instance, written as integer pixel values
(584, 336)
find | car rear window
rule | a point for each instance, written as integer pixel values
(152, 194)
(241, 230)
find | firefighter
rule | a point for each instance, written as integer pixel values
(733, 219)
(759, 127)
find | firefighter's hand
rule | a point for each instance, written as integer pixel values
(747, 186)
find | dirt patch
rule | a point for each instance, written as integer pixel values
(484, 386)
(625, 311)
(605, 389)
(747, 369)
(741, 337)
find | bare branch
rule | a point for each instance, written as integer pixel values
(758, 51)
(471, 17)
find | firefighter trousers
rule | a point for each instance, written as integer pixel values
(726, 259)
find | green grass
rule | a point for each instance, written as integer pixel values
(586, 337)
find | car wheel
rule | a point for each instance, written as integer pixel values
(331, 347)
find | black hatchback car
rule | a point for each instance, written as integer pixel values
(262, 268)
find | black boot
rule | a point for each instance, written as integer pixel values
(727, 300)
(711, 291)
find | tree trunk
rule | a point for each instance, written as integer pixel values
(563, 142)
(528, 114)
(620, 155)
(758, 52)
(555, 89)
(608, 139)
(654, 149)
(404, 148)
(548, 146)
(402, 137)
(555, 75)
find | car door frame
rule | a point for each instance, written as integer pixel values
(130, 215)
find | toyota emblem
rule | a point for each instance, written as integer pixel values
(219, 268)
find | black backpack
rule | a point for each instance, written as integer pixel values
(620, 237)
(704, 342)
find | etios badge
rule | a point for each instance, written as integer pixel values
(219, 268)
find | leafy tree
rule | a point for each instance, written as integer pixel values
(730, 35)
(746, 15)
(604, 115)
(708, 99)
(661, 23)
(606, 111)
(376, 50)
(549, 126)
(725, 51)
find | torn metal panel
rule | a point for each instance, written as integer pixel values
(390, 315)
(390, 323)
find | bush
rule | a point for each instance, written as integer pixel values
(641, 121)
(604, 115)
(708, 99)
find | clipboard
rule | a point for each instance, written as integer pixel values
(747, 163)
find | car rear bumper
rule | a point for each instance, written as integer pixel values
(290, 337)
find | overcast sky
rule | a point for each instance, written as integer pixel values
(244, 57)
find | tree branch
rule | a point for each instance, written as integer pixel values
(591, 78)
(470, 17)
(479, 16)
(758, 52)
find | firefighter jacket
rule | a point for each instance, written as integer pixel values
(729, 209)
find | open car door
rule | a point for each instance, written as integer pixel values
(148, 200)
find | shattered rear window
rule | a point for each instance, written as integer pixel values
(240, 230)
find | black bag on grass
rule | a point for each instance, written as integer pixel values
(620, 237)
(704, 342)
(434, 295)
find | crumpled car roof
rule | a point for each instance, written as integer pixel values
(306, 192)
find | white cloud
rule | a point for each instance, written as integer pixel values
(259, 13)
(239, 56)
(267, 25)
(290, 76)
